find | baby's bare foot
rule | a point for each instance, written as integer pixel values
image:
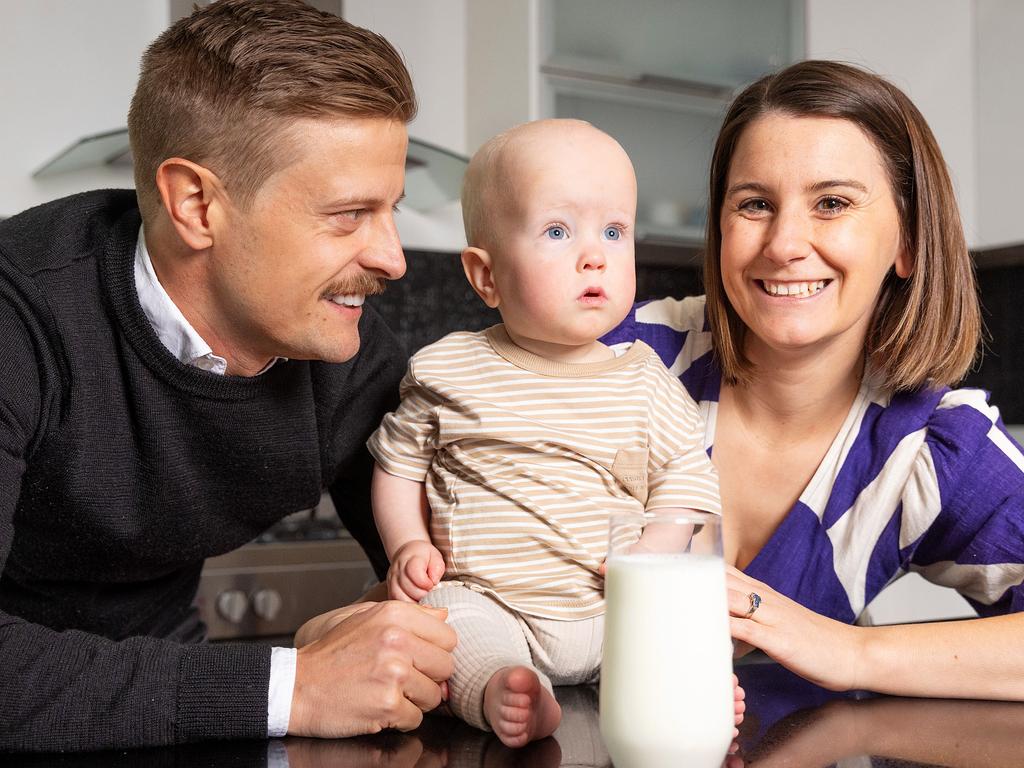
(519, 708)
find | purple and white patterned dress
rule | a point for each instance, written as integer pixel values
(927, 482)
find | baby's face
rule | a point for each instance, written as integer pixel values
(563, 250)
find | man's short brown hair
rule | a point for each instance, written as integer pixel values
(925, 329)
(222, 86)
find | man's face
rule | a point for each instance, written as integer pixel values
(288, 275)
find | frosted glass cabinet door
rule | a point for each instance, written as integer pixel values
(712, 41)
(655, 74)
(658, 75)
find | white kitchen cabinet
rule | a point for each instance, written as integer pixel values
(655, 74)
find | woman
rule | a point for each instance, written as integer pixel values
(840, 308)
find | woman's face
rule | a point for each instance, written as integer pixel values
(809, 230)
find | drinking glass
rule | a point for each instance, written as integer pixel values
(666, 680)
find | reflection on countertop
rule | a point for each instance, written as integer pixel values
(795, 724)
(789, 722)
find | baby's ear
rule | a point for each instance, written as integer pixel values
(476, 262)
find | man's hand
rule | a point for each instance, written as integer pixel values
(369, 667)
(416, 567)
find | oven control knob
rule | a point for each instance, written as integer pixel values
(267, 604)
(232, 605)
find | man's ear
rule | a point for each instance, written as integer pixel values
(187, 190)
(476, 262)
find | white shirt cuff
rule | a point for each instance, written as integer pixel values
(282, 684)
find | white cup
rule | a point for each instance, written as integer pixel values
(666, 680)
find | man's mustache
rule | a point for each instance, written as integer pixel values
(365, 284)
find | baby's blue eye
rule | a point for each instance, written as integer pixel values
(556, 233)
(612, 233)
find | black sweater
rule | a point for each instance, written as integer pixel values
(121, 470)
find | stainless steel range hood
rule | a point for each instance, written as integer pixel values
(110, 148)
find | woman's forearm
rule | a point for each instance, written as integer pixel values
(972, 659)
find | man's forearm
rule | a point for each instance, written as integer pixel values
(74, 691)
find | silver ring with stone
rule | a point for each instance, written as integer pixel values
(755, 603)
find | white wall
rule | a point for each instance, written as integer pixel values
(502, 79)
(1000, 72)
(432, 38)
(69, 70)
(927, 48)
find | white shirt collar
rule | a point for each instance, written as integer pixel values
(170, 325)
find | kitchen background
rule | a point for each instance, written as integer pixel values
(656, 74)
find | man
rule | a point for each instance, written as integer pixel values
(179, 371)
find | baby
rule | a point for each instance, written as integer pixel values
(497, 474)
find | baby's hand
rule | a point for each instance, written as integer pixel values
(639, 548)
(416, 567)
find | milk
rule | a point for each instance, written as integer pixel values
(666, 679)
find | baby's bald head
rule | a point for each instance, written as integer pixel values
(500, 174)
(550, 213)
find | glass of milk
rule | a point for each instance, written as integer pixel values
(666, 680)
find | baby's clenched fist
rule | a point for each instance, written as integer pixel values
(416, 567)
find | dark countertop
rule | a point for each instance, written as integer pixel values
(789, 723)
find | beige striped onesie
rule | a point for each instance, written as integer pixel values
(524, 459)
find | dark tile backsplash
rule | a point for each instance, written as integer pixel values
(434, 299)
(1001, 369)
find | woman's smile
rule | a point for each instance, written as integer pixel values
(793, 289)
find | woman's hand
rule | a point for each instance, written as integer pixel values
(416, 567)
(822, 650)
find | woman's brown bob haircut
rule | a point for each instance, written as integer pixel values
(925, 330)
(223, 86)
